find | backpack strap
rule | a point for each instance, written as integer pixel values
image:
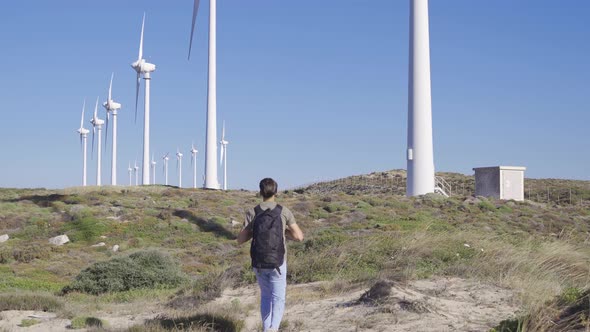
(257, 210)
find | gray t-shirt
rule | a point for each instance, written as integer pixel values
(286, 216)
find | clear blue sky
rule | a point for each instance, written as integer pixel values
(309, 89)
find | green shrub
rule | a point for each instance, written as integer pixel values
(84, 228)
(144, 269)
(29, 322)
(84, 322)
(486, 205)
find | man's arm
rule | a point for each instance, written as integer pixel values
(294, 233)
(245, 235)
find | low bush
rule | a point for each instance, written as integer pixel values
(28, 301)
(84, 322)
(28, 253)
(140, 270)
(84, 228)
(199, 322)
(29, 322)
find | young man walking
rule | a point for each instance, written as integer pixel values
(269, 225)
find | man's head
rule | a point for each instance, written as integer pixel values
(268, 188)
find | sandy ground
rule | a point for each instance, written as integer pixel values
(442, 304)
(449, 304)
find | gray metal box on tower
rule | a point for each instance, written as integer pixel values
(503, 182)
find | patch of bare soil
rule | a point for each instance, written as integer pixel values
(442, 304)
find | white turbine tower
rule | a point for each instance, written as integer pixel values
(420, 155)
(130, 171)
(145, 69)
(83, 142)
(166, 158)
(153, 170)
(211, 180)
(194, 164)
(97, 124)
(179, 167)
(223, 156)
(112, 107)
(136, 169)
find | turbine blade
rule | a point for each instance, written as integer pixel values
(137, 93)
(111, 87)
(141, 40)
(223, 132)
(195, 11)
(96, 108)
(83, 109)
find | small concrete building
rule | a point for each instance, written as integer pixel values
(503, 182)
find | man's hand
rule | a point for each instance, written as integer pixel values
(294, 233)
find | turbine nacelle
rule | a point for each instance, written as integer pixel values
(97, 122)
(110, 105)
(143, 67)
(83, 131)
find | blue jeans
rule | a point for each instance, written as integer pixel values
(273, 288)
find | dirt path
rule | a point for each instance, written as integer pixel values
(442, 304)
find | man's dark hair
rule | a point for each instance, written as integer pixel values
(268, 187)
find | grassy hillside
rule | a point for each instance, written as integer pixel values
(357, 231)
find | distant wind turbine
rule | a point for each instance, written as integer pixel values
(211, 180)
(83, 142)
(179, 167)
(194, 164)
(153, 170)
(130, 171)
(223, 156)
(136, 169)
(112, 107)
(166, 158)
(97, 124)
(145, 69)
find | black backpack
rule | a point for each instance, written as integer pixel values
(268, 244)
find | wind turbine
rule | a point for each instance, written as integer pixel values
(153, 170)
(166, 158)
(223, 156)
(83, 142)
(145, 69)
(97, 124)
(130, 171)
(194, 164)
(420, 155)
(112, 107)
(136, 169)
(211, 180)
(179, 167)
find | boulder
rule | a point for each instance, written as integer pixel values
(100, 244)
(59, 240)
(235, 223)
(115, 248)
(4, 238)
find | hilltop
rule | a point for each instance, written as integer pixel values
(526, 262)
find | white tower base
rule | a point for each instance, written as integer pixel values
(420, 155)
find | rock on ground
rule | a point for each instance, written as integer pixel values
(59, 240)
